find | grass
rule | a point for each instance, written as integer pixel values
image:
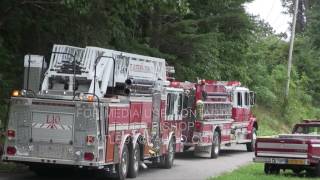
(269, 123)
(11, 167)
(255, 171)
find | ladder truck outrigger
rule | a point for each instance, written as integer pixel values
(216, 114)
(93, 108)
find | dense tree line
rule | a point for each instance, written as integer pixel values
(213, 39)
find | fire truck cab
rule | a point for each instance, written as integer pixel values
(93, 108)
(220, 116)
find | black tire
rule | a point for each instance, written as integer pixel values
(297, 171)
(251, 145)
(166, 161)
(215, 147)
(317, 170)
(134, 160)
(123, 166)
(267, 168)
(271, 169)
(310, 172)
(275, 169)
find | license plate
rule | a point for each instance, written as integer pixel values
(53, 151)
(278, 161)
(296, 161)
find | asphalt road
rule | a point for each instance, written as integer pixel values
(185, 167)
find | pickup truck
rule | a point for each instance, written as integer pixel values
(299, 151)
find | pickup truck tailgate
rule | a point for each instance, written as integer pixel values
(280, 147)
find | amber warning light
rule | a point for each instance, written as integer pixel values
(15, 93)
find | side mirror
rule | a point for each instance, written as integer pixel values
(252, 98)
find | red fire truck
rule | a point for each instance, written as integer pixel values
(216, 114)
(94, 108)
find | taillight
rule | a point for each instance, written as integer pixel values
(11, 134)
(11, 150)
(88, 156)
(90, 140)
(198, 126)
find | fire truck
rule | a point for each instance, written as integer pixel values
(216, 114)
(94, 108)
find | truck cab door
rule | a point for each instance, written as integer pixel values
(174, 106)
(246, 105)
(237, 110)
(179, 107)
(170, 110)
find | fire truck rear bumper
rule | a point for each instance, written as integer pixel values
(202, 151)
(52, 161)
(285, 161)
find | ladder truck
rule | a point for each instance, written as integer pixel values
(93, 108)
(216, 114)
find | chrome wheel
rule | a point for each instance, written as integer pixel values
(171, 152)
(124, 162)
(136, 158)
(166, 160)
(122, 167)
(254, 138)
(251, 145)
(216, 147)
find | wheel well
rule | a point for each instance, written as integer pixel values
(128, 142)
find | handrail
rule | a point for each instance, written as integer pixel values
(94, 83)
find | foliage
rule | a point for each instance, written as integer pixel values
(212, 40)
(255, 171)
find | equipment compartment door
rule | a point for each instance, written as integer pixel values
(155, 130)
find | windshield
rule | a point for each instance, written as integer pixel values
(308, 129)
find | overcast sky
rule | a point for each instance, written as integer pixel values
(271, 12)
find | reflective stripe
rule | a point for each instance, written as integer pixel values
(315, 145)
(282, 146)
(120, 127)
(281, 154)
(118, 105)
(57, 161)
